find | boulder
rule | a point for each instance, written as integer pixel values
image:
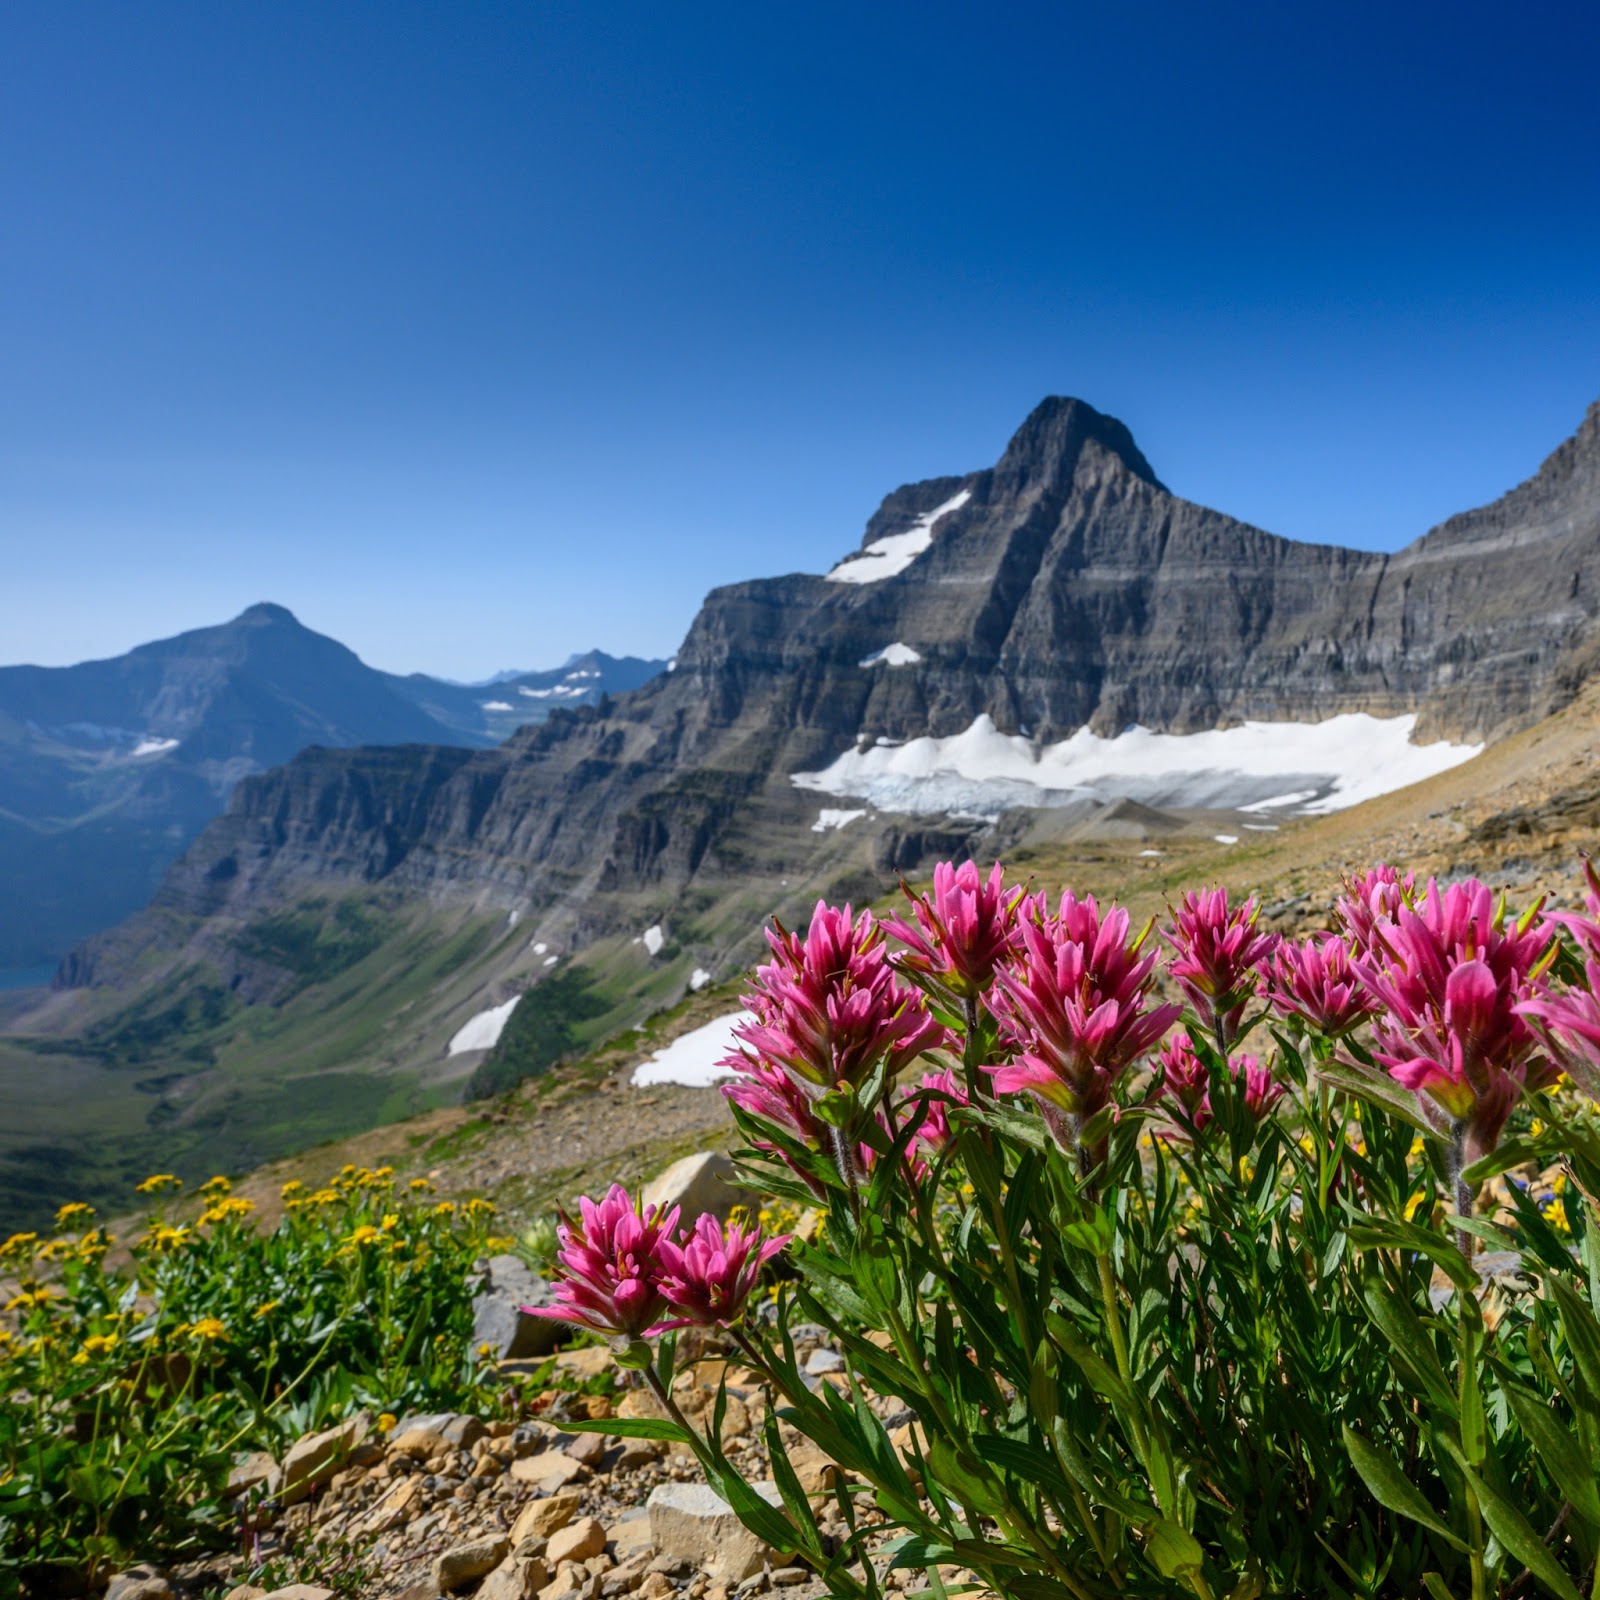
(466, 1563)
(552, 1470)
(698, 1184)
(301, 1591)
(497, 1319)
(438, 1433)
(587, 1449)
(249, 1471)
(692, 1523)
(576, 1542)
(315, 1457)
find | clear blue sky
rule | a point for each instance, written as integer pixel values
(478, 334)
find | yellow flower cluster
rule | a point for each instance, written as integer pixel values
(232, 1208)
(159, 1183)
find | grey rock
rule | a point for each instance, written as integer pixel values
(690, 1523)
(822, 1361)
(697, 1185)
(139, 1583)
(465, 1563)
(497, 1319)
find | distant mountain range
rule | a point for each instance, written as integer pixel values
(109, 769)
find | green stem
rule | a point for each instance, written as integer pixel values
(1119, 1347)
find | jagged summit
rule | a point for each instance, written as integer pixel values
(1046, 448)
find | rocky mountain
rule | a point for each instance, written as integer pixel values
(1063, 588)
(109, 769)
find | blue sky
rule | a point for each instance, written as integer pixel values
(479, 334)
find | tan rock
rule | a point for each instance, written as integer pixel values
(139, 1583)
(656, 1586)
(638, 1453)
(564, 1586)
(697, 1184)
(587, 1449)
(249, 1471)
(436, 1434)
(629, 1536)
(301, 1591)
(541, 1518)
(692, 1522)
(514, 1579)
(399, 1502)
(245, 1591)
(313, 1459)
(815, 1469)
(576, 1542)
(465, 1563)
(552, 1470)
(588, 1362)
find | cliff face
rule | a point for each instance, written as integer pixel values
(1064, 586)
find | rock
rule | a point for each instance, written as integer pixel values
(824, 1360)
(392, 1509)
(787, 1577)
(656, 1586)
(698, 1184)
(497, 1320)
(541, 1518)
(313, 1459)
(249, 1471)
(139, 1583)
(439, 1434)
(691, 1522)
(636, 1453)
(301, 1591)
(576, 1542)
(552, 1470)
(587, 1361)
(815, 1469)
(514, 1579)
(245, 1591)
(630, 1535)
(587, 1449)
(463, 1564)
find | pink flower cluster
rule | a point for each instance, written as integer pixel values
(1073, 1006)
(1451, 981)
(622, 1271)
(963, 933)
(1217, 954)
(1317, 981)
(1571, 1021)
(1184, 1080)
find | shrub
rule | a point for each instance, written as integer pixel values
(128, 1389)
(1199, 1321)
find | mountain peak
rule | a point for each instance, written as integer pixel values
(264, 613)
(1048, 443)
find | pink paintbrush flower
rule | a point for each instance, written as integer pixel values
(933, 1131)
(962, 932)
(1372, 899)
(707, 1278)
(1315, 981)
(608, 1267)
(1072, 1003)
(829, 1008)
(1571, 1020)
(1183, 1078)
(1452, 980)
(1218, 952)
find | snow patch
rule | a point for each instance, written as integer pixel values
(550, 961)
(498, 705)
(540, 948)
(484, 1030)
(1152, 852)
(513, 917)
(654, 938)
(154, 747)
(698, 979)
(1315, 767)
(694, 1058)
(892, 655)
(828, 819)
(1226, 838)
(885, 557)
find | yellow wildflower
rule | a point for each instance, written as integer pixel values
(420, 1186)
(55, 1249)
(209, 1328)
(159, 1181)
(20, 1246)
(391, 1221)
(72, 1212)
(445, 1208)
(100, 1344)
(292, 1187)
(233, 1207)
(267, 1307)
(386, 1422)
(164, 1237)
(365, 1234)
(30, 1298)
(217, 1185)
(325, 1197)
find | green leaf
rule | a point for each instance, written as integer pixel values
(1404, 1330)
(1436, 1586)
(629, 1428)
(1173, 1550)
(1511, 1153)
(1516, 1533)
(1389, 1233)
(1391, 1488)
(1559, 1450)
(1582, 1331)
(1378, 1088)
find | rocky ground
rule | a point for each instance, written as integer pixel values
(451, 1505)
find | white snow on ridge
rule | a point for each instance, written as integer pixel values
(892, 655)
(693, 1058)
(1312, 767)
(483, 1031)
(698, 979)
(654, 938)
(154, 747)
(828, 819)
(883, 558)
